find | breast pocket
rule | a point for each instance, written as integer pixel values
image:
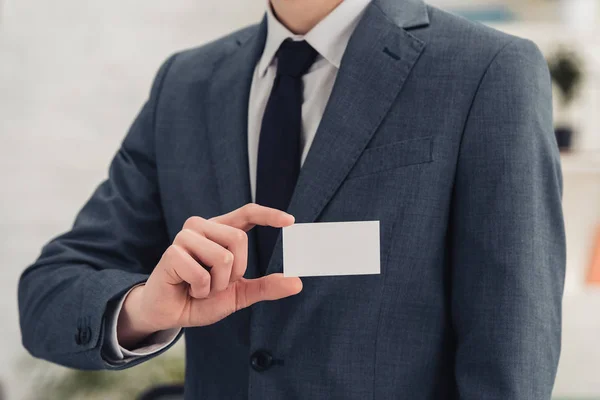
(392, 156)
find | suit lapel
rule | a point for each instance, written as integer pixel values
(228, 126)
(377, 61)
(228, 119)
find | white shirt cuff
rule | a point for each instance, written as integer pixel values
(152, 344)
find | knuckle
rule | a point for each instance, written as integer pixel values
(199, 291)
(203, 280)
(227, 258)
(185, 237)
(172, 253)
(193, 221)
(205, 292)
(181, 235)
(251, 208)
(240, 236)
(187, 232)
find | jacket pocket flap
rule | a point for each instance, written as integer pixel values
(392, 156)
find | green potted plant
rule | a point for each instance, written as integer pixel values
(68, 384)
(567, 75)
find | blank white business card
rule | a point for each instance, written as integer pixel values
(331, 248)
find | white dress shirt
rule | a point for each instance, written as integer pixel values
(329, 38)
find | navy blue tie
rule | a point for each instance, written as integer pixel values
(279, 149)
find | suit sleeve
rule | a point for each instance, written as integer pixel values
(114, 353)
(116, 240)
(507, 235)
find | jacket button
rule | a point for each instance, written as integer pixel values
(261, 360)
(83, 336)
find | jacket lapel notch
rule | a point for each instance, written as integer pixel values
(229, 94)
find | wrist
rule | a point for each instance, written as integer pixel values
(132, 326)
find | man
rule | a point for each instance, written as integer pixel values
(439, 128)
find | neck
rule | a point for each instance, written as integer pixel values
(300, 16)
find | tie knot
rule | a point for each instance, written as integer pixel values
(294, 58)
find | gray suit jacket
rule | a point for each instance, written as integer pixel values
(438, 127)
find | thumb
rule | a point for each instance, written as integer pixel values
(241, 294)
(270, 287)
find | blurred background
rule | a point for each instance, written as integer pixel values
(73, 74)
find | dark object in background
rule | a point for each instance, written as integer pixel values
(564, 134)
(566, 71)
(171, 392)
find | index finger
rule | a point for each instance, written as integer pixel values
(252, 214)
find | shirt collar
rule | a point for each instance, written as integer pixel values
(329, 37)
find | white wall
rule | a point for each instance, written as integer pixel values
(73, 74)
